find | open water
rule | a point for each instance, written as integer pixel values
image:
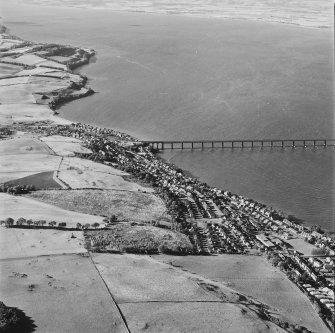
(171, 77)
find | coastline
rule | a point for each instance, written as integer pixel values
(65, 97)
(196, 208)
(310, 16)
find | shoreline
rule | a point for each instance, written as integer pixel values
(76, 70)
(215, 221)
(244, 12)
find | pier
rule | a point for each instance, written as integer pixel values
(215, 144)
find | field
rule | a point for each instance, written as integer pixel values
(132, 206)
(7, 69)
(193, 317)
(254, 276)
(60, 294)
(81, 173)
(301, 246)
(141, 239)
(20, 243)
(21, 165)
(65, 146)
(22, 146)
(23, 112)
(41, 180)
(155, 297)
(18, 206)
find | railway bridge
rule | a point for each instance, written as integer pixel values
(214, 144)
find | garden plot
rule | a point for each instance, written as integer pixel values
(60, 294)
(254, 276)
(65, 146)
(24, 113)
(20, 243)
(18, 206)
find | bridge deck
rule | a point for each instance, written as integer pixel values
(205, 144)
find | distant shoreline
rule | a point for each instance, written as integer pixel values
(307, 15)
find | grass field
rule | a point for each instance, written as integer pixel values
(13, 165)
(21, 243)
(302, 246)
(82, 173)
(64, 146)
(141, 239)
(132, 206)
(60, 294)
(22, 146)
(23, 112)
(156, 297)
(254, 276)
(41, 180)
(18, 206)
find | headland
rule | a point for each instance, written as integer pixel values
(94, 193)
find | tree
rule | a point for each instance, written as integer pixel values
(21, 221)
(9, 222)
(95, 225)
(29, 222)
(52, 223)
(79, 226)
(43, 222)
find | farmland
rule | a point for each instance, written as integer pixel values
(254, 276)
(132, 206)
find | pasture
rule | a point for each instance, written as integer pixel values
(20, 243)
(132, 206)
(255, 277)
(60, 294)
(19, 206)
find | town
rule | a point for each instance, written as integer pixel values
(215, 221)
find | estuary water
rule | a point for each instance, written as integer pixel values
(172, 77)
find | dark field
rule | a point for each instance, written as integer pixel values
(42, 180)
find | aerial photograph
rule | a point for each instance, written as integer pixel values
(167, 166)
